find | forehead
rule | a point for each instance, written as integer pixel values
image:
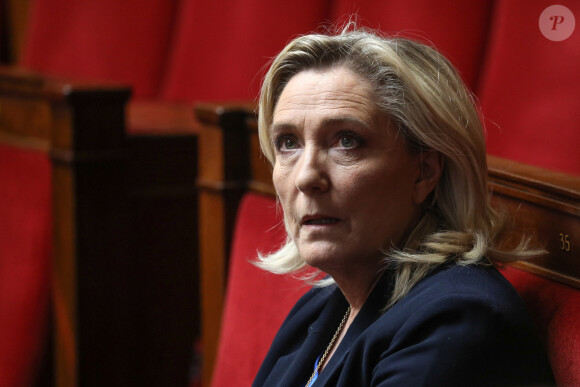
(324, 94)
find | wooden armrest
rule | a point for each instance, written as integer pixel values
(161, 118)
(546, 205)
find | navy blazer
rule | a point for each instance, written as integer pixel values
(459, 326)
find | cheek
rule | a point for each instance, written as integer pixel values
(382, 190)
(278, 180)
(281, 181)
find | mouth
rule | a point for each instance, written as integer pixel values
(319, 220)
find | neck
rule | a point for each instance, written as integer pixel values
(356, 292)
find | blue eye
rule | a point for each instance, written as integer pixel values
(289, 143)
(348, 140)
(286, 143)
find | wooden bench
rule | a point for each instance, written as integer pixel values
(542, 203)
(122, 221)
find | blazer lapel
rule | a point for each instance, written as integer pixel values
(370, 312)
(296, 368)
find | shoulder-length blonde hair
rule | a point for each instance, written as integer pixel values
(421, 92)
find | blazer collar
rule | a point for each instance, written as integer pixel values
(370, 312)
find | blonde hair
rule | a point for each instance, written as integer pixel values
(421, 92)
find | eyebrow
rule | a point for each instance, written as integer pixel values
(330, 121)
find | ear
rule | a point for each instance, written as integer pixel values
(431, 164)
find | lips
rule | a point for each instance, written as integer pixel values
(319, 220)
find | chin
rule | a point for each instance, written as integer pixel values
(327, 263)
(319, 261)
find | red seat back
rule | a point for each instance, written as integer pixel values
(530, 90)
(256, 301)
(457, 28)
(556, 310)
(107, 40)
(219, 47)
(25, 240)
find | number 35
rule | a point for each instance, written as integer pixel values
(564, 242)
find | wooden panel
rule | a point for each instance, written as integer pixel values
(81, 128)
(163, 242)
(93, 320)
(223, 175)
(161, 118)
(17, 23)
(213, 279)
(64, 279)
(125, 276)
(546, 205)
(211, 157)
(25, 117)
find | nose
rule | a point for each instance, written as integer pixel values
(312, 174)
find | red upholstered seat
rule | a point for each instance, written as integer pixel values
(25, 240)
(457, 28)
(256, 302)
(530, 90)
(219, 47)
(107, 40)
(556, 310)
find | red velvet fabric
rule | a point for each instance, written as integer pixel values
(457, 28)
(25, 241)
(220, 46)
(530, 91)
(141, 43)
(556, 310)
(256, 302)
(107, 40)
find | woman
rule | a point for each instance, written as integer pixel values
(380, 168)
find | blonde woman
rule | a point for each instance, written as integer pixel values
(379, 164)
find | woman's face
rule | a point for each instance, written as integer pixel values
(344, 178)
